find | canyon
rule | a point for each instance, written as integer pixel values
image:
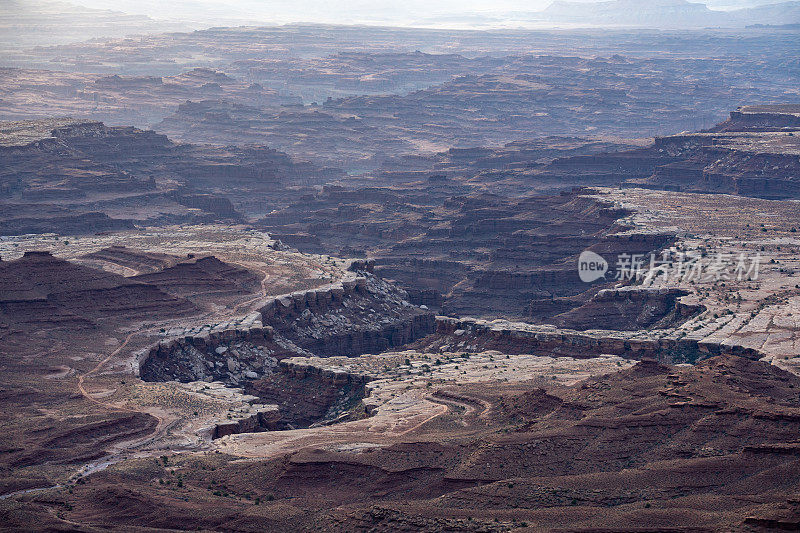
(332, 278)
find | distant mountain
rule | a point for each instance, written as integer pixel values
(784, 13)
(25, 23)
(630, 12)
(727, 5)
(665, 14)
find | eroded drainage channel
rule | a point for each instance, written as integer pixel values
(250, 365)
(247, 362)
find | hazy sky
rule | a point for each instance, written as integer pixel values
(335, 11)
(311, 9)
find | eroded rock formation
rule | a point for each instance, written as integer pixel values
(41, 291)
(467, 254)
(630, 308)
(85, 176)
(518, 338)
(360, 315)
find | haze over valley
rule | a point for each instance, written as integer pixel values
(452, 266)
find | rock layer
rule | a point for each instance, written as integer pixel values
(518, 338)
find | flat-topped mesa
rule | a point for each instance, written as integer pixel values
(231, 354)
(95, 137)
(122, 82)
(292, 393)
(610, 166)
(107, 172)
(519, 338)
(629, 309)
(40, 292)
(297, 392)
(303, 367)
(210, 203)
(138, 261)
(315, 300)
(80, 129)
(258, 418)
(754, 153)
(471, 254)
(25, 132)
(356, 315)
(762, 118)
(310, 393)
(761, 165)
(109, 142)
(42, 254)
